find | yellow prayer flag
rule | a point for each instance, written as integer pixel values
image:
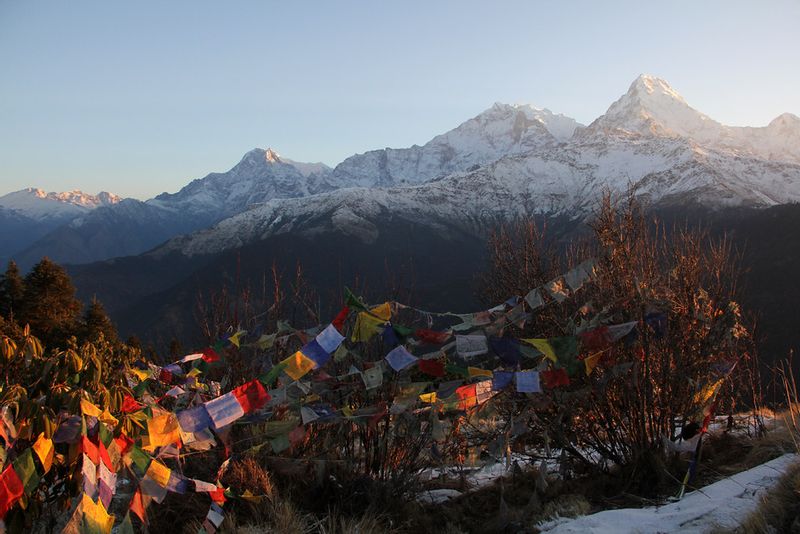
(477, 371)
(366, 326)
(591, 362)
(95, 518)
(235, 338)
(140, 374)
(159, 472)
(544, 347)
(163, 430)
(384, 311)
(297, 365)
(90, 409)
(107, 418)
(430, 398)
(45, 451)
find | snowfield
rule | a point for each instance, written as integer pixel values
(723, 504)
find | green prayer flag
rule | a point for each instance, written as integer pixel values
(140, 459)
(280, 444)
(402, 331)
(26, 471)
(105, 435)
(456, 370)
(566, 349)
(126, 527)
(269, 379)
(352, 301)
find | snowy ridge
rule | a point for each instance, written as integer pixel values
(499, 131)
(507, 161)
(261, 175)
(567, 181)
(38, 204)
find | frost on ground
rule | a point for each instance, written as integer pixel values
(723, 504)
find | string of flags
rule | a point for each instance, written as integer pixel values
(438, 371)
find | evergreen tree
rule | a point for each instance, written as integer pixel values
(96, 322)
(49, 304)
(12, 290)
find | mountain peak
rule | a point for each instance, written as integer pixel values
(650, 87)
(271, 156)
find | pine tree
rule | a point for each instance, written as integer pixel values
(96, 322)
(49, 304)
(12, 290)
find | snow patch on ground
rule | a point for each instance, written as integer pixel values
(723, 504)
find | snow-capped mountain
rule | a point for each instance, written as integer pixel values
(261, 175)
(132, 226)
(40, 205)
(650, 140)
(29, 214)
(504, 162)
(499, 131)
(652, 108)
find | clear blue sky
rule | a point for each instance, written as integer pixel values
(141, 97)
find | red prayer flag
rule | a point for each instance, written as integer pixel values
(105, 458)
(431, 336)
(124, 443)
(165, 376)
(596, 339)
(129, 404)
(137, 506)
(468, 395)
(554, 378)
(210, 355)
(11, 490)
(251, 396)
(431, 367)
(90, 450)
(218, 495)
(341, 317)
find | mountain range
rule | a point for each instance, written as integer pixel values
(421, 202)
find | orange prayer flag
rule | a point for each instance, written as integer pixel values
(45, 451)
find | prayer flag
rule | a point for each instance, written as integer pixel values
(45, 451)
(468, 396)
(251, 396)
(507, 349)
(432, 337)
(129, 404)
(432, 367)
(26, 470)
(87, 408)
(194, 419)
(543, 346)
(11, 489)
(373, 377)
(400, 358)
(329, 339)
(159, 473)
(341, 317)
(501, 380)
(297, 365)
(469, 346)
(137, 506)
(554, 378)
(163, 430)
(477, 371)
(314, 351)
(224, 410)
(528, 381)
(592, 361)
(534, 299)
(595, 339)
